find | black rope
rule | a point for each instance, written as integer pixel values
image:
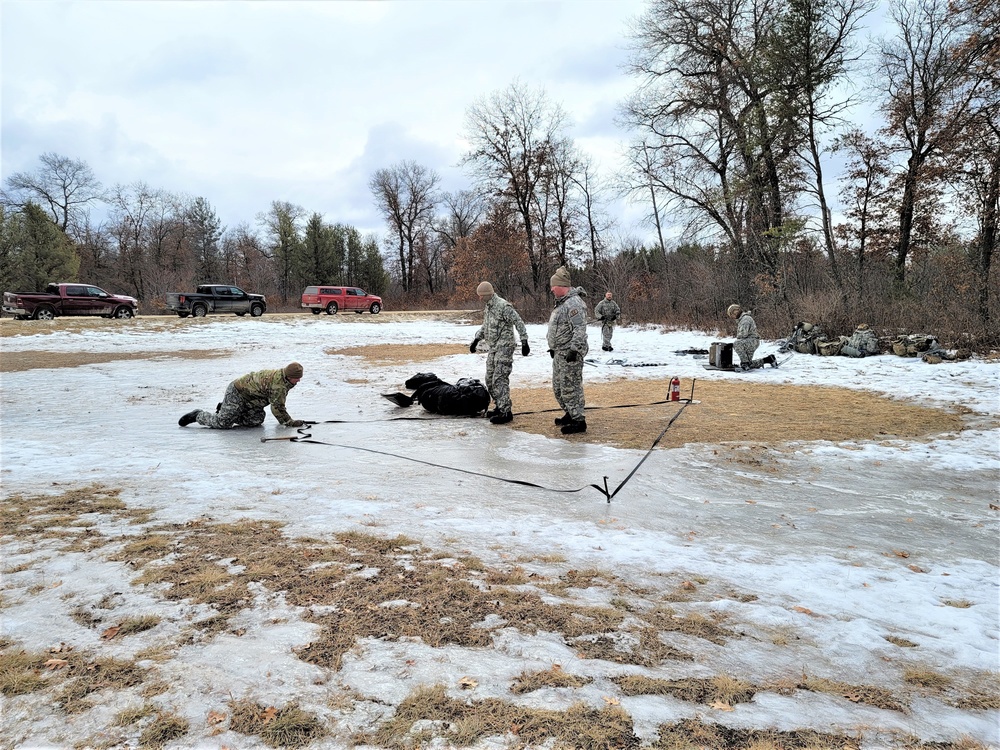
(306, 437)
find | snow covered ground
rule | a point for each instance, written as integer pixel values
(818, 532)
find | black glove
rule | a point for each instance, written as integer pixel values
(473, 345)
(552, 353)
(525, 349)
(296, 423)
(572, 355)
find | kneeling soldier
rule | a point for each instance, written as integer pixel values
(246, 397)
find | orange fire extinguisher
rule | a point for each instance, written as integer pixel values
(675, 388)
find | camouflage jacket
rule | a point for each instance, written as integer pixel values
(746, 328)
(499, 321)
(266, 388)
(607, 310)
(568, 323)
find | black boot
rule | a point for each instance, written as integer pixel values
(191, 416)
(564, 419)
(770, 359)
(577, 425)
(501, 417)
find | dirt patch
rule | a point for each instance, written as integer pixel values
(733, 412)
(729, 411)
(46, 360)
(398, 354)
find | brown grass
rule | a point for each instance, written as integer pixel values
(731, 410)
(289, 726)
(163, 729)
(45, 360)
(691, 734)
(462, 723)
(718, 689)
(554, 676)
(867, 694)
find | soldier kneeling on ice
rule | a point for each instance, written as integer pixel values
(747, 340)
(245, 399)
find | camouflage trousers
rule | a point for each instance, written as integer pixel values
(234, 411)
(607, 329)
(499, 363)
(567, 384)
(745, 348)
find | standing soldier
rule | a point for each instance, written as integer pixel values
(499, 321)
(567, 339)
(609, 312)
(246, 397)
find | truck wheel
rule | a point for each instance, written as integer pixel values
(332, 308)
(256, 309)
(199, 311)
(376, 308)
(44, 312)
(316, 311)
(123, 313)
(182, 315)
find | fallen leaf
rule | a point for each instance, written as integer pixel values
(994, 507)
(269, 714)
(111, 632)
(515, 728)
(467, 683)
(721, 706)
(56, 663)
(916, 568)
(812, 510)
(214, 717)
(805, 611)
(62, 648)
(688, 586)
(611, 701)
(900, 553)
(56, 585)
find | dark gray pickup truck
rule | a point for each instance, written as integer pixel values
(216, 298)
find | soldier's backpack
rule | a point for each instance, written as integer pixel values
(913, 344)
(828, 348)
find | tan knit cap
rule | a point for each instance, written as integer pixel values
(560, 277)
(484, 288)
(293, 370)
(734, 310)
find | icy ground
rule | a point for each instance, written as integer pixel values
(816, 532)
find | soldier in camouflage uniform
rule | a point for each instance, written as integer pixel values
(567, 340)
(747, 340)
(499, 321)
(246, 397)
(609, 312)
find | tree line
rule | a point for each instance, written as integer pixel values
(741, 113)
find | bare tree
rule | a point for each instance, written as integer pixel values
(406, 195)
(512, 134)
(65, 186)
(932, 78)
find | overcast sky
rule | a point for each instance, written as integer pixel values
(244, 102)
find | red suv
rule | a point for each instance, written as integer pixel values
(336, 298)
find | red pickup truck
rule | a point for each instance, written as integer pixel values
(68, 299)
(334, 298)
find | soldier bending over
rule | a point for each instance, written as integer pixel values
(246, 397)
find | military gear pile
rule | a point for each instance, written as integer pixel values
(913, 344)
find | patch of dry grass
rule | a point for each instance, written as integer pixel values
(21, 672)
(693, 734)
(462, 723)
(719, 689)
(554, 676)
(51, 360)
(867, 694)
(289, 726)
(163, 729)
(397, 354)
(901, 642)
